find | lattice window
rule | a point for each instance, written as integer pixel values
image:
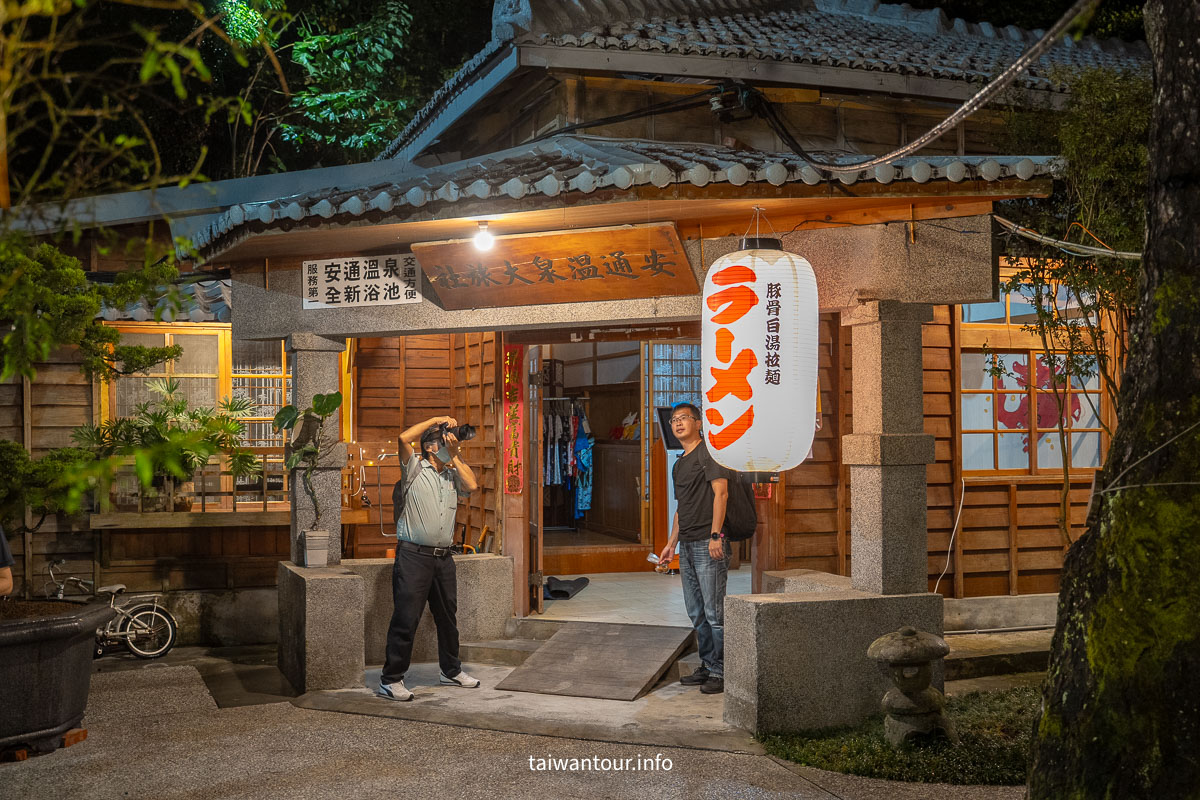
(1010, 421)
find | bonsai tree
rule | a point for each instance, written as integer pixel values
(168, 439)
(308, 443)
(38, 485)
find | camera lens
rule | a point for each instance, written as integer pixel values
(464, 432)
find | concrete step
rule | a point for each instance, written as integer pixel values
(504, 652)
(976, 655)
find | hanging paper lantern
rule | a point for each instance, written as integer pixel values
(759, 358)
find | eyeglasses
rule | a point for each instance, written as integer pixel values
(673, 420)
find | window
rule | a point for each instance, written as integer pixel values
(676, 374)
(1018, 308)
(212, 367)
(197, 370)
(260, 374)
(1010, 420)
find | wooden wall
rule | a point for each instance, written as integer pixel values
(1008, 540)
(475, 378)
(403, 380)
(869, 124)
(41, 415)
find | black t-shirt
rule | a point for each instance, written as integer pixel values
(6, 559)
(693, 475)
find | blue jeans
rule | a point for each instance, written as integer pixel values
(704, 597)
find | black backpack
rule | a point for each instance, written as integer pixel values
(741, 514)
(398, 498)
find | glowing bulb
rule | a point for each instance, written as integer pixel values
(483, 239)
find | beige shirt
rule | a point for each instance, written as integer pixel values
(431, 503)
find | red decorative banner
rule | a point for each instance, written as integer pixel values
(514, 417)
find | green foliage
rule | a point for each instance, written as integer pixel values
(994, 731)
(1084, 306)
(1120, 19)
(91, 88)
(356, 71)
(165, 437)
(352, 96)
(308, 443)
(39, 485)
(47, 301)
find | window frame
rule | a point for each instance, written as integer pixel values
(1032, 391)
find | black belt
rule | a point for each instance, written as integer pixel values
(438, 552)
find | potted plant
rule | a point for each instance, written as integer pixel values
(306, 446)
(173, 441)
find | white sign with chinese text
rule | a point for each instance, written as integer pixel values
(361, 281)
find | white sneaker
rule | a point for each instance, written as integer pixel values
(461, 679)
(394, 691)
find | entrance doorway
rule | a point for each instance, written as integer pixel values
(593, 505)
(606, 511)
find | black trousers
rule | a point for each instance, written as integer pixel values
(417, 578)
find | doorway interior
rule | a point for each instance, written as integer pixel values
(607, 503)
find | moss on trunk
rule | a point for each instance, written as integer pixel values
(1121, 704)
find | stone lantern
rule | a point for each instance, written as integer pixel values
(913, 707)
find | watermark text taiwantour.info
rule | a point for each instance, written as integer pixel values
(659, 763)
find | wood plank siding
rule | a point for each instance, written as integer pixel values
(1008, 540)
(404, 380)
(41, 414)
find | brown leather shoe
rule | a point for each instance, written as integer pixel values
(714, 685)
(696, 678)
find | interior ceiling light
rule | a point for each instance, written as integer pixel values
(484, 240)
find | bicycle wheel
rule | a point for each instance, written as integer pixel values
(153, 631)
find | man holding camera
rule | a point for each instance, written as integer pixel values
(432, 482)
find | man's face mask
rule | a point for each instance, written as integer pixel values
(443, 455)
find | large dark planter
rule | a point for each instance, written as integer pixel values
(45, 674)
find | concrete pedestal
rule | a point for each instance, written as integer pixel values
(333, 621)
(320, 627)
(799, 661)
(485, 587)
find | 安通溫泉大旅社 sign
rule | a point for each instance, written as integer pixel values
(617, 263)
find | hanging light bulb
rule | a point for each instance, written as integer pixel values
(484, 240)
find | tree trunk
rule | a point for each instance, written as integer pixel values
(1121, 705)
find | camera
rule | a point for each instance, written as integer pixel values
(463, 432)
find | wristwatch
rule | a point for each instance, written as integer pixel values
(716, 536)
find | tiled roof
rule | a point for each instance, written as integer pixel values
(584, 164)
(203, 301)
(854, 34)
(860, 34)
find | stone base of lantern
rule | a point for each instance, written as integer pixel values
(799, 661)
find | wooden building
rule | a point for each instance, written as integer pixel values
(567, 122)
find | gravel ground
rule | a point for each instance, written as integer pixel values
(157, 734)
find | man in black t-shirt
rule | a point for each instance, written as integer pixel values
(6, 564)
(701, 494)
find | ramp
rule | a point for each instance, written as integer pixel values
(600, 659)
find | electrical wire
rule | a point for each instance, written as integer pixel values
(667, 107)
(1067, 247)
(981, 98)
(953, 532)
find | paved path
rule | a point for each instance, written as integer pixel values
(157, 733)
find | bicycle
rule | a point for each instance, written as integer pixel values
(146, 628)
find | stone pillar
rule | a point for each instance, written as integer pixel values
(889, 448)
(315, 370)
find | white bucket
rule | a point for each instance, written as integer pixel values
(316, 548)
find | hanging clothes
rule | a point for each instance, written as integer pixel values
(583, 453)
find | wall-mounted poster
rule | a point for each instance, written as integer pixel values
(361, 281)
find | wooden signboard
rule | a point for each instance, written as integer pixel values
(560, 267)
